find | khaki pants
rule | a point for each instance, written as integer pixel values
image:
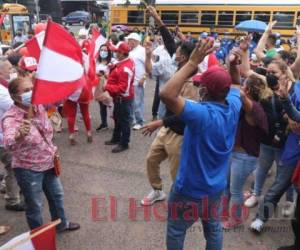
(12, 195)
(166, 145)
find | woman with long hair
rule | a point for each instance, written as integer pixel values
(102, 69)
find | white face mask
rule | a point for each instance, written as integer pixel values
(13, 76)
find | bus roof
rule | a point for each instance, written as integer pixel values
(13, 8)
(220, 2)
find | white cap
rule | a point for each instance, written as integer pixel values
(134, 36)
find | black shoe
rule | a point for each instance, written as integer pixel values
(119, 149)
(20, 207)
(293, 247)
(112, 142)
(71, 227)
(102, 127)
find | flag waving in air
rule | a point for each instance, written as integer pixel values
(35, 45)
(60, 71)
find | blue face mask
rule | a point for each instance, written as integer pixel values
(26, 98)
(103, 54)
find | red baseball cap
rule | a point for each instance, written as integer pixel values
(28, 63)
(122, 47)
(216, 79)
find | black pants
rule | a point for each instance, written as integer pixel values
(103, 113)
(156, 99)
(296, 223)
(122, 111)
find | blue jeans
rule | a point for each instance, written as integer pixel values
(242, 165)
(122, 109)
(267, 156)
(281, 184)
(208, 209)
(33, 185)
(138, 105)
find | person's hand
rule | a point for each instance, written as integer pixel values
(149, 128)
(270, 26)
(24, 129)
(283, 90)
(245, 43)
(152, 12)
(294, 126)
(201, 51)
(235, 56)
(149, 49)
(142, 82)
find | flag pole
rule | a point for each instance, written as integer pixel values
(51, 225)
(19, 47)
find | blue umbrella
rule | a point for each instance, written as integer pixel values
(251, 26)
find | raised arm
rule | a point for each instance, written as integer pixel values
(296, 65)
(148, 62)
(234, 60)
(259, 51)
(288, 106)
(170, 94)
(165, 33)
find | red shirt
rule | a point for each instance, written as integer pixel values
(120, 80)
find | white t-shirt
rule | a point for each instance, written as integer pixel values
(5, 103)
(138, 55)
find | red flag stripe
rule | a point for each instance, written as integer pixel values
(46, 92)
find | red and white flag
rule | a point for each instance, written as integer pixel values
(99, 40)
(42, 238)
(35, 45)
(60, 71)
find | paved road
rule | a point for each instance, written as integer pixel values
(91, 172)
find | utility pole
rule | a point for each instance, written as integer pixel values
(37, 10)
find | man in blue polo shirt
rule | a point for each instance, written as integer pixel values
(208, 141)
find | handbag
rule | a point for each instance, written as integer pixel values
(56, 159)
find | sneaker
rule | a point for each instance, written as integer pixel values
(288, 209)
(137, 127)
(72, 226)
(257, 226)
(102, 127)
(252, 201)
(153, 196)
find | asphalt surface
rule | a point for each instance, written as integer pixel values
(91, 174)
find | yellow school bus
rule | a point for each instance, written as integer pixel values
(196, 16)
(16, 17)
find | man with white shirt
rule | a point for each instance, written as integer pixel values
(12, 196)
(137, 54)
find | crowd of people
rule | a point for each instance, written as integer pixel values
(223, 110)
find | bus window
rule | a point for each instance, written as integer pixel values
(170, 17)
(225, 18)
(242, 16)
(21, 23)
(284, 19)
(189, 17)
(208, 17)
(136, 16)
(262, 16)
